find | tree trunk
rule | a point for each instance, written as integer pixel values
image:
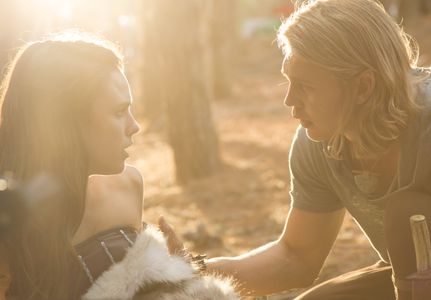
(224, 39)
(409, 11)
(177, 70)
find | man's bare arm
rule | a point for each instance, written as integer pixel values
(293, 261)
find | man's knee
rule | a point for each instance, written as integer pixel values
(399, 208)
(402, 205)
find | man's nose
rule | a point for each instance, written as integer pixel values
(293, 98)
(289, 99)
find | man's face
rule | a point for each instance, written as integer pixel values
(316, 97)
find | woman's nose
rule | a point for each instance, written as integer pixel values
(133, 127)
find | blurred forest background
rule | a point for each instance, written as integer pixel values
(208, 93)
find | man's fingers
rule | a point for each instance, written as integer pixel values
(164, 226)
(174, 244)
(166, 229)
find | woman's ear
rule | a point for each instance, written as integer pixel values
(366, 82)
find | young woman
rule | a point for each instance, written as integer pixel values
(363, 147)
(65, 112)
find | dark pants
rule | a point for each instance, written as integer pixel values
(371, 283)
(375, 282)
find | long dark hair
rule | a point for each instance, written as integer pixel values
(48, 89)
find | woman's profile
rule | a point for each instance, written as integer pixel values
(65, 111)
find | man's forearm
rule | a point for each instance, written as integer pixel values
(268, 269)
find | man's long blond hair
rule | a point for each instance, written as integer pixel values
(347, 37)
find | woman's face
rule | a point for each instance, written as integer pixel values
(316, 97)
(110, 127)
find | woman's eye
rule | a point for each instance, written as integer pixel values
(121, 113)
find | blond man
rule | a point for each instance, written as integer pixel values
(362, 147)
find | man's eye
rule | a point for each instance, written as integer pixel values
(298, 87)
(304, 88)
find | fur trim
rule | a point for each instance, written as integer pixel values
(148, 262)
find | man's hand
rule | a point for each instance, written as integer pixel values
(175, 246)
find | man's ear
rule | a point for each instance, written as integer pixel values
(366, 82)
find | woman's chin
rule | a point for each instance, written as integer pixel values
(118, 169)
(108, 170)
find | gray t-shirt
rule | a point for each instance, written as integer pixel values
(321, 184)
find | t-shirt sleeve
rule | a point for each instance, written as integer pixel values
(310, 189)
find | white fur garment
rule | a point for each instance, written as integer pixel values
(148, 262)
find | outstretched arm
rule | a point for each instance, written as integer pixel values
(293, 261)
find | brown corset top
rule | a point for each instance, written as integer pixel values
(97, 253)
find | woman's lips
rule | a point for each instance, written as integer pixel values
(125, 153)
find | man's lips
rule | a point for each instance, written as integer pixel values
(305, 123)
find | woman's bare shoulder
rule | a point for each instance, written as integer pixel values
(112, 201)
(133, 176)
(134, 181)
(126, 179)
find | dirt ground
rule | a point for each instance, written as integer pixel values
(244, 205)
